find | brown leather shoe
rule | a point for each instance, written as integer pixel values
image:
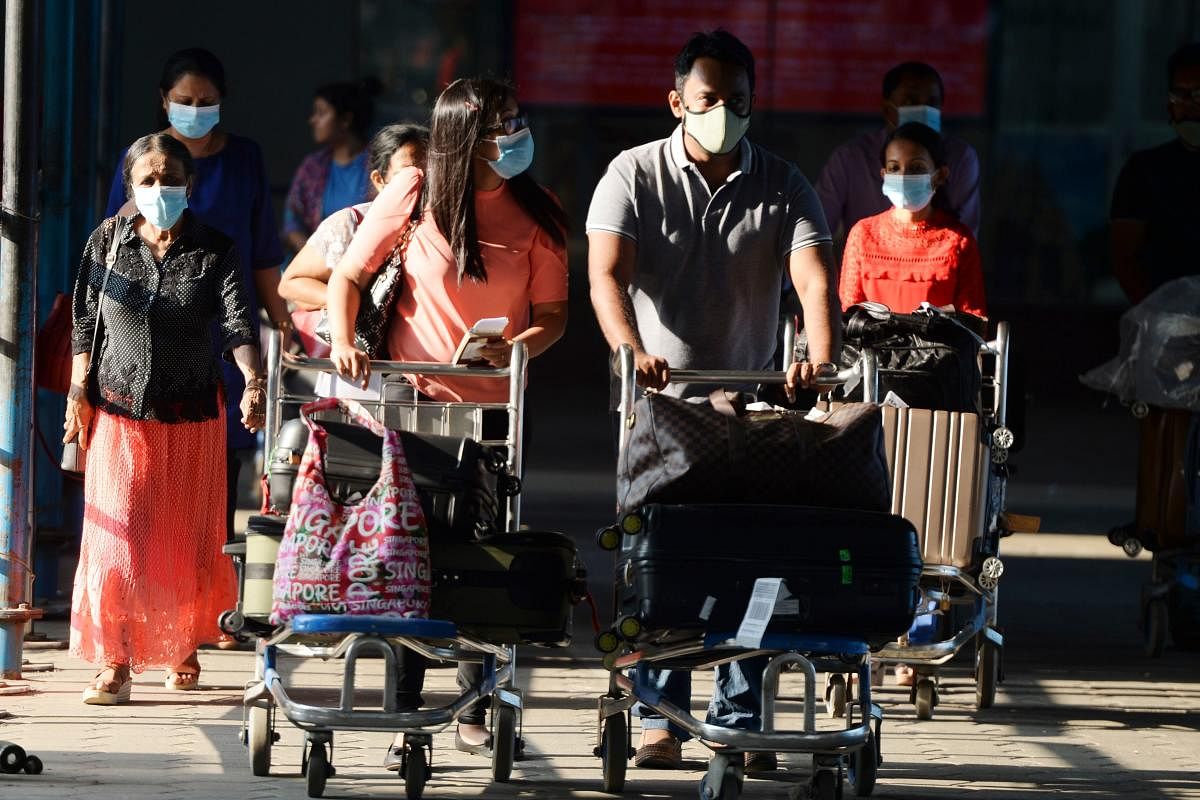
(665, 754)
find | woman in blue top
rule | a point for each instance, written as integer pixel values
(336, 176)
(230, 193)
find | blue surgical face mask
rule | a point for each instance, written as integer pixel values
(926, 115)
(193, 122)
(161, 205)
(909, 192)
(516, 153)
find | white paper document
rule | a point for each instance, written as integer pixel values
(330, 384)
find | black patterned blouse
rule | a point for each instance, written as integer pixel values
(157, 358)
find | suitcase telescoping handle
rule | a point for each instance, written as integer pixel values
(628, 376)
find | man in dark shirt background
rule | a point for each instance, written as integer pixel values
(1156, 205)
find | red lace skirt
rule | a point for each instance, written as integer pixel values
(152, 578)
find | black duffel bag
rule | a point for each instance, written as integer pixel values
(687, 452)
(461, 482)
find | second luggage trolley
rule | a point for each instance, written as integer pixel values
(851, 753)
(352, 637)
(949, 471)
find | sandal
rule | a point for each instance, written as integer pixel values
(185, 677)
(110, 692)
(664, 754)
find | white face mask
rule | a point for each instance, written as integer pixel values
(162, 206)
(926, 115)
(909, 192)
(717, 130)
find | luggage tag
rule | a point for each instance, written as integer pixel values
(767, 595)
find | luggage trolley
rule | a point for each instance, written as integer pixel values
(949, 472)
(1168, 525)
(852, 752)
(352, 637)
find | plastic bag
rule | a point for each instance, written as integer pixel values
(1159, 362)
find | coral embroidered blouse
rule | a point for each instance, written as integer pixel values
(524, 267)
(905, 264)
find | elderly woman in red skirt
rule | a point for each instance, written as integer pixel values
(154, 290)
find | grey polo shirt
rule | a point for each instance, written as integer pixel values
(710, 265)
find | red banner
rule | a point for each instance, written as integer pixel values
(810, 55)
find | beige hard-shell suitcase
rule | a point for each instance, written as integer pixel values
(938, 463)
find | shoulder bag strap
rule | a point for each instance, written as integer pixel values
(110, 259)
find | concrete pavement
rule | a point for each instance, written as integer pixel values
(1081, 715)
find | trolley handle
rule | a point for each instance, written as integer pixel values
(626, 371)
(516, 373)
(304, 363)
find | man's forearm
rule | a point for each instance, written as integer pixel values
(814, 276)
(824, 336)
(614, 311)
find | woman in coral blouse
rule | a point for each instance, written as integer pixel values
(917, 252)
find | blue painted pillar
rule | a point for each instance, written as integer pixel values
(18, 290)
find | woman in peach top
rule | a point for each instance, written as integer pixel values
(490, 242)
(917, 252)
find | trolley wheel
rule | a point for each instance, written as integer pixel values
(607, 642)
(836, 697)
(925, 698)
(504, 740)
(863, 767)
(416, 772)
(987, 673)
(12, 758)
(731, 787)
(614, 753)
(1155, 621)
(608, 538)
(629, 627)
(824, 785)
(316, 769)
(259, 738)
(632, 523)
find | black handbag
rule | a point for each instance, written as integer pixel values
(685, 452)
(378, 301)
(929, 359)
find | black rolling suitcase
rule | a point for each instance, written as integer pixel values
(461, 482)
(693, 568)
(510, 588)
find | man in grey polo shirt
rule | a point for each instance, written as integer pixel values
(689, 241)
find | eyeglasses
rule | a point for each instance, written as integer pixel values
(511, 126)
(1181, 96)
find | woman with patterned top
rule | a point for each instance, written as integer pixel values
(304, 280)
(917, 252)
(150, 415)
(338, 175)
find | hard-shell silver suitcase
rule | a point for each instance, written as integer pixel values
(939, 464)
